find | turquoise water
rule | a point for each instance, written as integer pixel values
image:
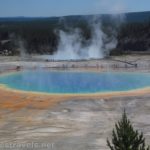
(75, 82)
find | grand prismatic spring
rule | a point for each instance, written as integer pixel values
(67, 82)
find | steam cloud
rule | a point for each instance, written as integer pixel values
(71, 44)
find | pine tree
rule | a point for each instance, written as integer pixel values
(124, 137)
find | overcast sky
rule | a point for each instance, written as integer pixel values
(40, 8)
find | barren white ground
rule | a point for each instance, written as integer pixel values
(75, 124)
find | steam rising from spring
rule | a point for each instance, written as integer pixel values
(71, 44)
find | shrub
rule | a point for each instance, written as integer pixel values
(124, 137)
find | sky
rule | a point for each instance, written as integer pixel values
(46, 8)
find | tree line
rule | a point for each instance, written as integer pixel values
(41, 36)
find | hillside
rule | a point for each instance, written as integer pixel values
(38, 35)
(130, 17)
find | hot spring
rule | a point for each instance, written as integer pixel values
(67, 82)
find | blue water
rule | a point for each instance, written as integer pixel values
(75, 82)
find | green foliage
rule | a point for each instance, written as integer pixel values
(116, 52)
(134, 37)
(124, 137)
(41, 36)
